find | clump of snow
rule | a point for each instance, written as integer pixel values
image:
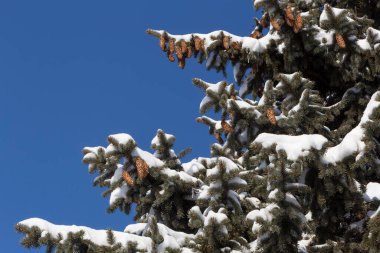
(119, 193)
(98, 237)
(193, 167)
(352, 143)
(172, 239)
(336, 12)
(150, 159)
(168, 137)
(372, 192)
(121, 139)
(294, 146)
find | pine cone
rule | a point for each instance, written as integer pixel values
(275, 24)
(226, 127)
(217, 136)
(198, 43)
(289, 17)
(256, 34)
(189, 52)
(340, 40)
(181, 63)
(162, 43)
(170, 56)
(226, 42)
(142, 168)
(127, 178)
(263, 22)
(171, 46)
(298, 24)
(271, 116)
(183, 47)
(178, 51)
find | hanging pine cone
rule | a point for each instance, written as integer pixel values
(171, 45)
(340, 40)
(298, 24)
(162, 43)
(183, 47)
(198, 43)
(263, 22)
(178, 51)
(289, 17)
(231, 115)
(226, 127)
(256, 34)
(219, 138)
(181, 63)
(275, 24)
(127, 178)
(226, 42)
(189, 52)
(271, 116)
(170, 56)
(142, 168)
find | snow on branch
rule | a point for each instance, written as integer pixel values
(353, 142)
(59, 234)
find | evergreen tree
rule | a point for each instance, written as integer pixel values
(296, 165)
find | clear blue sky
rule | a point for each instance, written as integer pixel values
(73, 72)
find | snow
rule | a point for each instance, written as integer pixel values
(183, 176)
(323, 36)
(336, 12)
(251, 45)
(363, 44)
(150, 159)
(193, 167)
(119, 193)
(212, 217)
(172, 239)
(372, 192)
(98, 237)
(263, 213)
(117, 174)
(352, 143)
(294, 146)
(169, 138)
(121, 139)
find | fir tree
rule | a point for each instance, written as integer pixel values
(295, 166)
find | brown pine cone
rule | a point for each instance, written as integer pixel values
(275, 24)
(142, 168)
(183, 47)
(271, 116)
(263, 22)
(178, 51)
(181, 63)
(340, 40)
(171, 45)
(127, 178)
(226, 42)
(189, 52)
(289, 17)
(170, 56)
(197, 43)
(162, 43)
(298, 24)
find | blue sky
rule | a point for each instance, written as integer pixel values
(73, 72)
